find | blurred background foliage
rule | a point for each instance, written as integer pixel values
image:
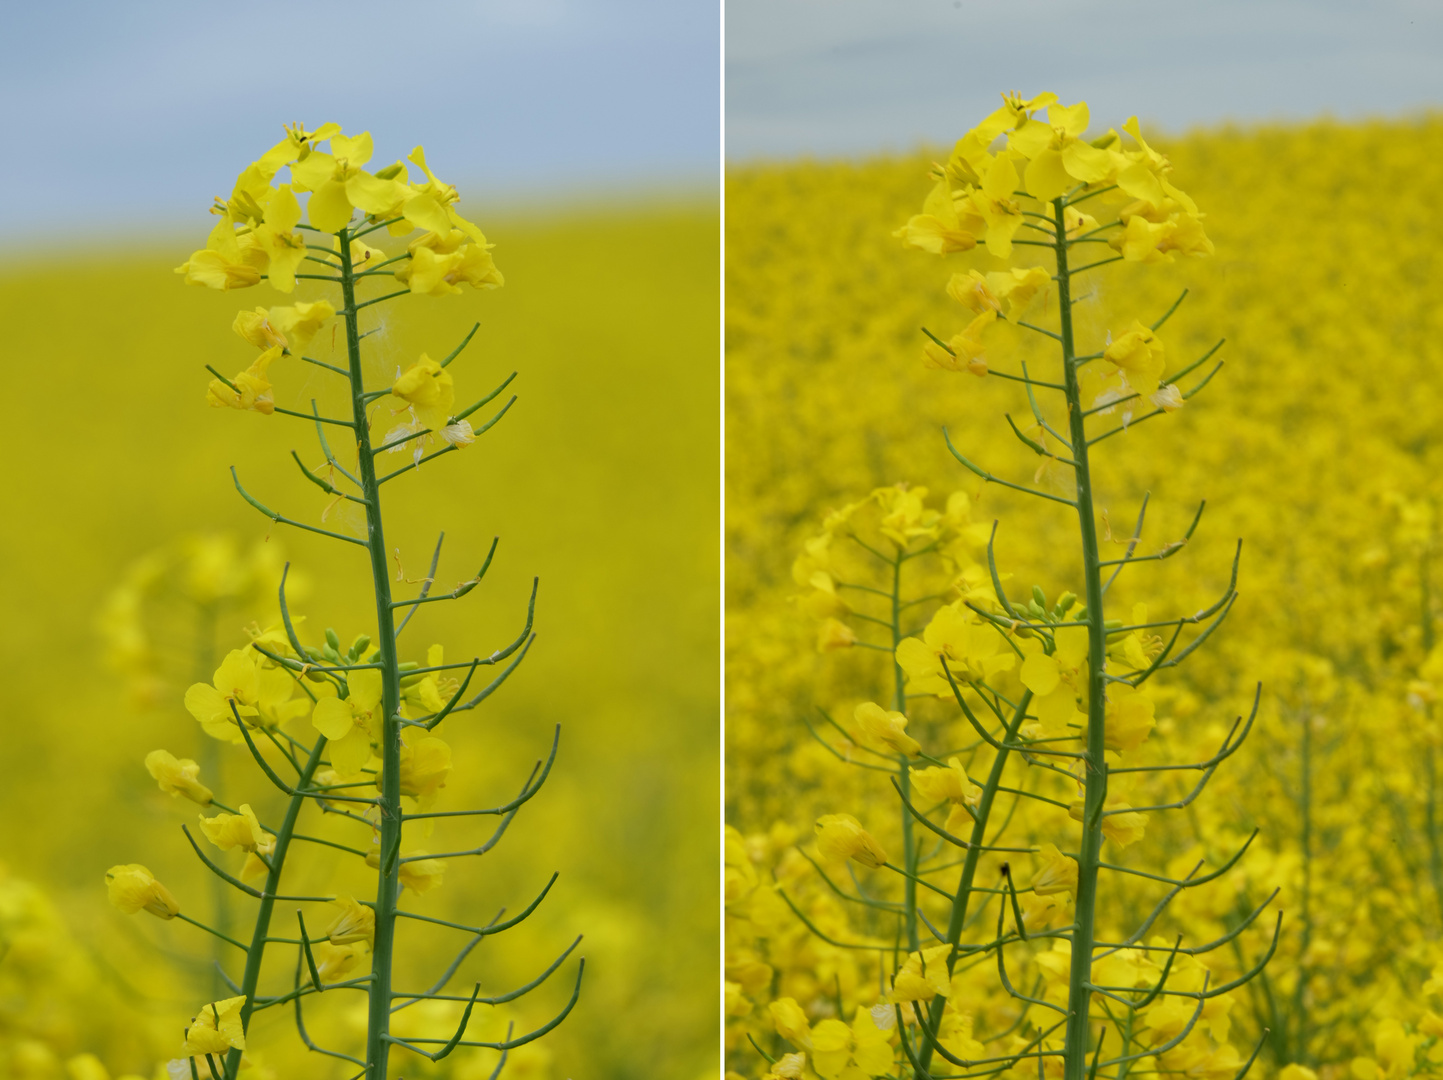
(602, 481)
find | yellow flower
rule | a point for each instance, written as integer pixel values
(974, 651)
(941, 228)
(354, 922)
(133, 887)
(422, 875)
(1058, 873)
(833, 635)
(972, 291)
(1139, 354)
(965, 350)
(177, 776)
(1019, 289)
(215, 1030)
(424, 767)
(351, 724)
(841, 836)
(1121, 823)
(922, 977)
(1128, 719)
(334, 962)
(441, 263)
(938, 784)
(786, 1067)
(235, 683)
(994, 202)
(429, 389)
(850, 1052)
(249, 390)
(283, 248)
(260, 694)
(791, 1023)
(222, 263)
(300, 323)
(243, 830)
(256, 328)
(326, 176)
(1056, 680)
(878, 726)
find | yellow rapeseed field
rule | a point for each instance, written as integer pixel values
(1316, 444)
(601, 481)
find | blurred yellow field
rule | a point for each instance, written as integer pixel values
(601, 481)
(1316, 444)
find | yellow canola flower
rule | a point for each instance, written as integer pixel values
(351, 724)
(877, 726)
(430, 391)
(335, 181)
(424, 768)
(259, 694)
(841, 836)
(177, 776)
(236, 684)
(1129, 717)
(1145, 241)
(833, 634)
(256, 328)
(287, 328)
(250, 390)
(334, 962)
(943, 227)
(284, 248)
(1139, 354)
(423, 875)
(850, 1052)
(421, 694)
(223, 263)
(354, 923)
(905, 515)
(965, 350)
(420, 876)
(243, 830)
(791, 1022)
(132, 887)
(1057, 680)
(923, 976)
(973, 651)
(441, 263)
(950, 784)
(973, 292)
(215, 1030)
(1057, 874)
(1120, 822)
(786, 1067)
(994, 203)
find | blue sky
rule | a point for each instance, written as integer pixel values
(848, 77)
(124, 116)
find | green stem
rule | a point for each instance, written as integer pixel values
(969, 869)
(378, 1027)
(256, 952)
(1094, 763)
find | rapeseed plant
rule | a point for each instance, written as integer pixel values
(1056, 688)
(370, 715)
